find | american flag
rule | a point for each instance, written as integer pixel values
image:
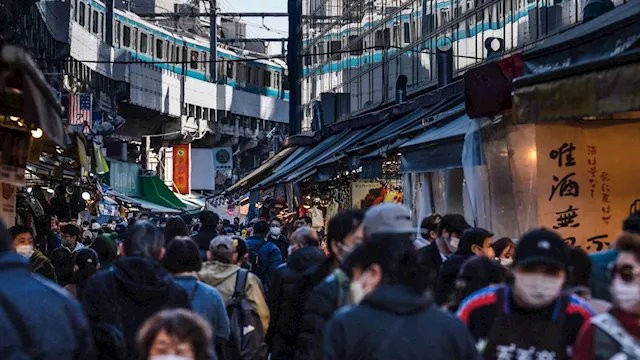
(80, 109)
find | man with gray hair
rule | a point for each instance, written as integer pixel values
(291, 285)
(119, 300)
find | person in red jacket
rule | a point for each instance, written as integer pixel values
(616, 334)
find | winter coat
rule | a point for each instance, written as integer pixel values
(446, 283)
(207, 302)
(269, 254)
(323, 302)
(203, 239)
(282, 242)
(291, 285)
(395, 322)
(41, 264)
(54, 320)
(223, 277)
(129, 293)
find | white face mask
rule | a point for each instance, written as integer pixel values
(506, 262)
(25, 250)
(169, 357)
(276, 231)
(537, 290)
(357, 290)
(625, 295)
(453, 243)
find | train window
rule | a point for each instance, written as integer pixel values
(159, 48)
(167, 54)
(407, 33)
(249, 74)
(143, 43)
(387, 38)
(335, 47)
(75, 10)
(117, 39)
(102, 32)
(94, 22)
(285, 82)
(314, 56)
(395, 38)
(88, 17)
(183, 56)
(82, 14)
(230, 70)
(126, 36)
(321, 53)
(253, 123)
(278, 80)
(193, 60)
(356, 48)
(152, 42)
(135, 39)
(205, 114)
(307, 59)
(266, 78)
(378, 39)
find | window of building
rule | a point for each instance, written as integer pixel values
(407, 33)
(81, 9)
(159, 48)
(94, 22)
(126, 36)
(356, 48)
(193, 61)
(266, 78)
(143, 43)
(387, 38)
(118, 34)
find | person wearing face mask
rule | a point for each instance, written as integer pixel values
(450, 229)
(71, 237)
(429, 231)
(616, 334)
(578, 277)
(533, 316)
(504, 248)
(291, 285)
(175, 335)
(474, 242)
(275, 236)
(23, 245)
(392, 318)
(344, 232)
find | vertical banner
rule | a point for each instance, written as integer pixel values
(587, 181)
(223, 164)
(8, 204)
(181, 168)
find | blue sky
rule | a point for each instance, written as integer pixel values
(254, 25)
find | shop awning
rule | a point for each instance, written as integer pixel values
(193, 201)
(605, 88)
(608, 35)
(437, 149)
(155, 191)
(155, 208)
(262, 171)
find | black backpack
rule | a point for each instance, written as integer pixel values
(246, 341)
(256, 265)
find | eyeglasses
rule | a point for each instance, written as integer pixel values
(626, 272)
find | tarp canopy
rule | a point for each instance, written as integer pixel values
(263, 170)
(155, 191)
(155, 208)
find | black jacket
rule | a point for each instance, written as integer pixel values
(319, 308)
(291, 285)
(129, 293)
(203, 239)
(282, 242)
(395, 322)
(54, 321)
(431, 260)
(446, 284)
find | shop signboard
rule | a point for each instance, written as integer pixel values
(587, 181)
(365, 194)
(223, 164)
(181, 168)
(8, 204)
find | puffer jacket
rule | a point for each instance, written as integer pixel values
(41, 264)
(291, 285)
(223, 277)
(54, 321)
(329, 296)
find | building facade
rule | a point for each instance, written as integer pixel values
(370, 49)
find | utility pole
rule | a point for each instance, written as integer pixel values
(213, 65)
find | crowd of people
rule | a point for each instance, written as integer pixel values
(375, 286)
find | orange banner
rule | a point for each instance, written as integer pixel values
(182, 168)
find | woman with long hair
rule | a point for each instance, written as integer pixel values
(176, 227)
(86, 263)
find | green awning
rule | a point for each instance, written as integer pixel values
(155, 191)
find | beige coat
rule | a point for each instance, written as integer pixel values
(223, 277)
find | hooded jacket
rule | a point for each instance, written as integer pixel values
(291, 285)
(395, 322)
(223, 277)
(55, 321)
(130, 293)
(41, 264)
